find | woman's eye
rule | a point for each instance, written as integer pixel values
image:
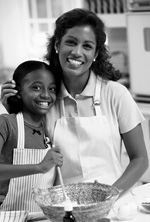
(87, 46)
(70, 42)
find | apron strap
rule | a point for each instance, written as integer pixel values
(21, 133)
(97, 102)
(62, 108)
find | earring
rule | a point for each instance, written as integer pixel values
(56, 51)
(94, 60)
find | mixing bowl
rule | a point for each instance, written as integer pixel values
(93, 201)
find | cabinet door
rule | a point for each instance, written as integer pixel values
(138, 31)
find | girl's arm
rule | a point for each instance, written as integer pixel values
(51, 159)
(135, 146)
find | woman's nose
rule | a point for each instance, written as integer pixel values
(77, 50)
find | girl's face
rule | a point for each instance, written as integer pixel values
(38, 92)
(77, 51)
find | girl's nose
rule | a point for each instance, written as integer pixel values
(45, 94)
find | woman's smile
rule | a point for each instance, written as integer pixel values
(74, 63)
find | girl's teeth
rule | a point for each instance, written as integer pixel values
(43, 104)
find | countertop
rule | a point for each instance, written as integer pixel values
(126, 199)
(139, 217)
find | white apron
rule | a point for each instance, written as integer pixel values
(19, 196)
(87, 147)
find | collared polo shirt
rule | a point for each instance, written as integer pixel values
(82, 104)
(117, 105)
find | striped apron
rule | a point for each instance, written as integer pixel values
(19, 196)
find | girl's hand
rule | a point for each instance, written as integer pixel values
(51, 159)
(7, 90)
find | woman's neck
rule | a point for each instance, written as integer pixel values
(75, 85)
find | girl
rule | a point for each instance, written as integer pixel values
(21, 167)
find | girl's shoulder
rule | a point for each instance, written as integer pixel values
(8, 129)
(8, 121)
(8, 117)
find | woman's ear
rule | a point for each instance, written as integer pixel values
(56, 47)
(96, 55)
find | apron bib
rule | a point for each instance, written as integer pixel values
(19, 196)
(87, 147)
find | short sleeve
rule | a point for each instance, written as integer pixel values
(129, 114)
(4, 129)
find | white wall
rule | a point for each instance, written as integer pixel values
(13, 35)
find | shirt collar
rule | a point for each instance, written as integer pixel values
(88, 91)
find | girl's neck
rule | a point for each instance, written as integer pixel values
(33, 120)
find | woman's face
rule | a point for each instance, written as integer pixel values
(77, 51)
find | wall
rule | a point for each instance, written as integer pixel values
(13, 40)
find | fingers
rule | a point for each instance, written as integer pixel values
(8, 90)
(9, 84)
(56, 149)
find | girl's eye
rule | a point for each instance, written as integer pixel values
(53, 89)
(36, 87)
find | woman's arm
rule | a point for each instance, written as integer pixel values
(135, 146)
(7, 90)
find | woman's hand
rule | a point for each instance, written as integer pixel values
(7, 90)
(51, 159)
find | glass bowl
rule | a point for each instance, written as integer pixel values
(93, 201)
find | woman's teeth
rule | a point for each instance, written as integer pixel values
(74, 62)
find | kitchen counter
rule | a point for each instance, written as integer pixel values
(127, 198)
(139, 217)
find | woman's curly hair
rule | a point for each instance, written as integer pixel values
(82, 17)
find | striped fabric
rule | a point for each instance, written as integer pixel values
(13, 216)
(19, 196)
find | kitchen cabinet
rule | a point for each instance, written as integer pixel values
(138, 32)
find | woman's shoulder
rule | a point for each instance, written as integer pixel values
(114, 88)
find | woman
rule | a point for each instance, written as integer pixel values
(93, 115)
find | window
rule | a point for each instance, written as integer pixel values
(42, 15)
